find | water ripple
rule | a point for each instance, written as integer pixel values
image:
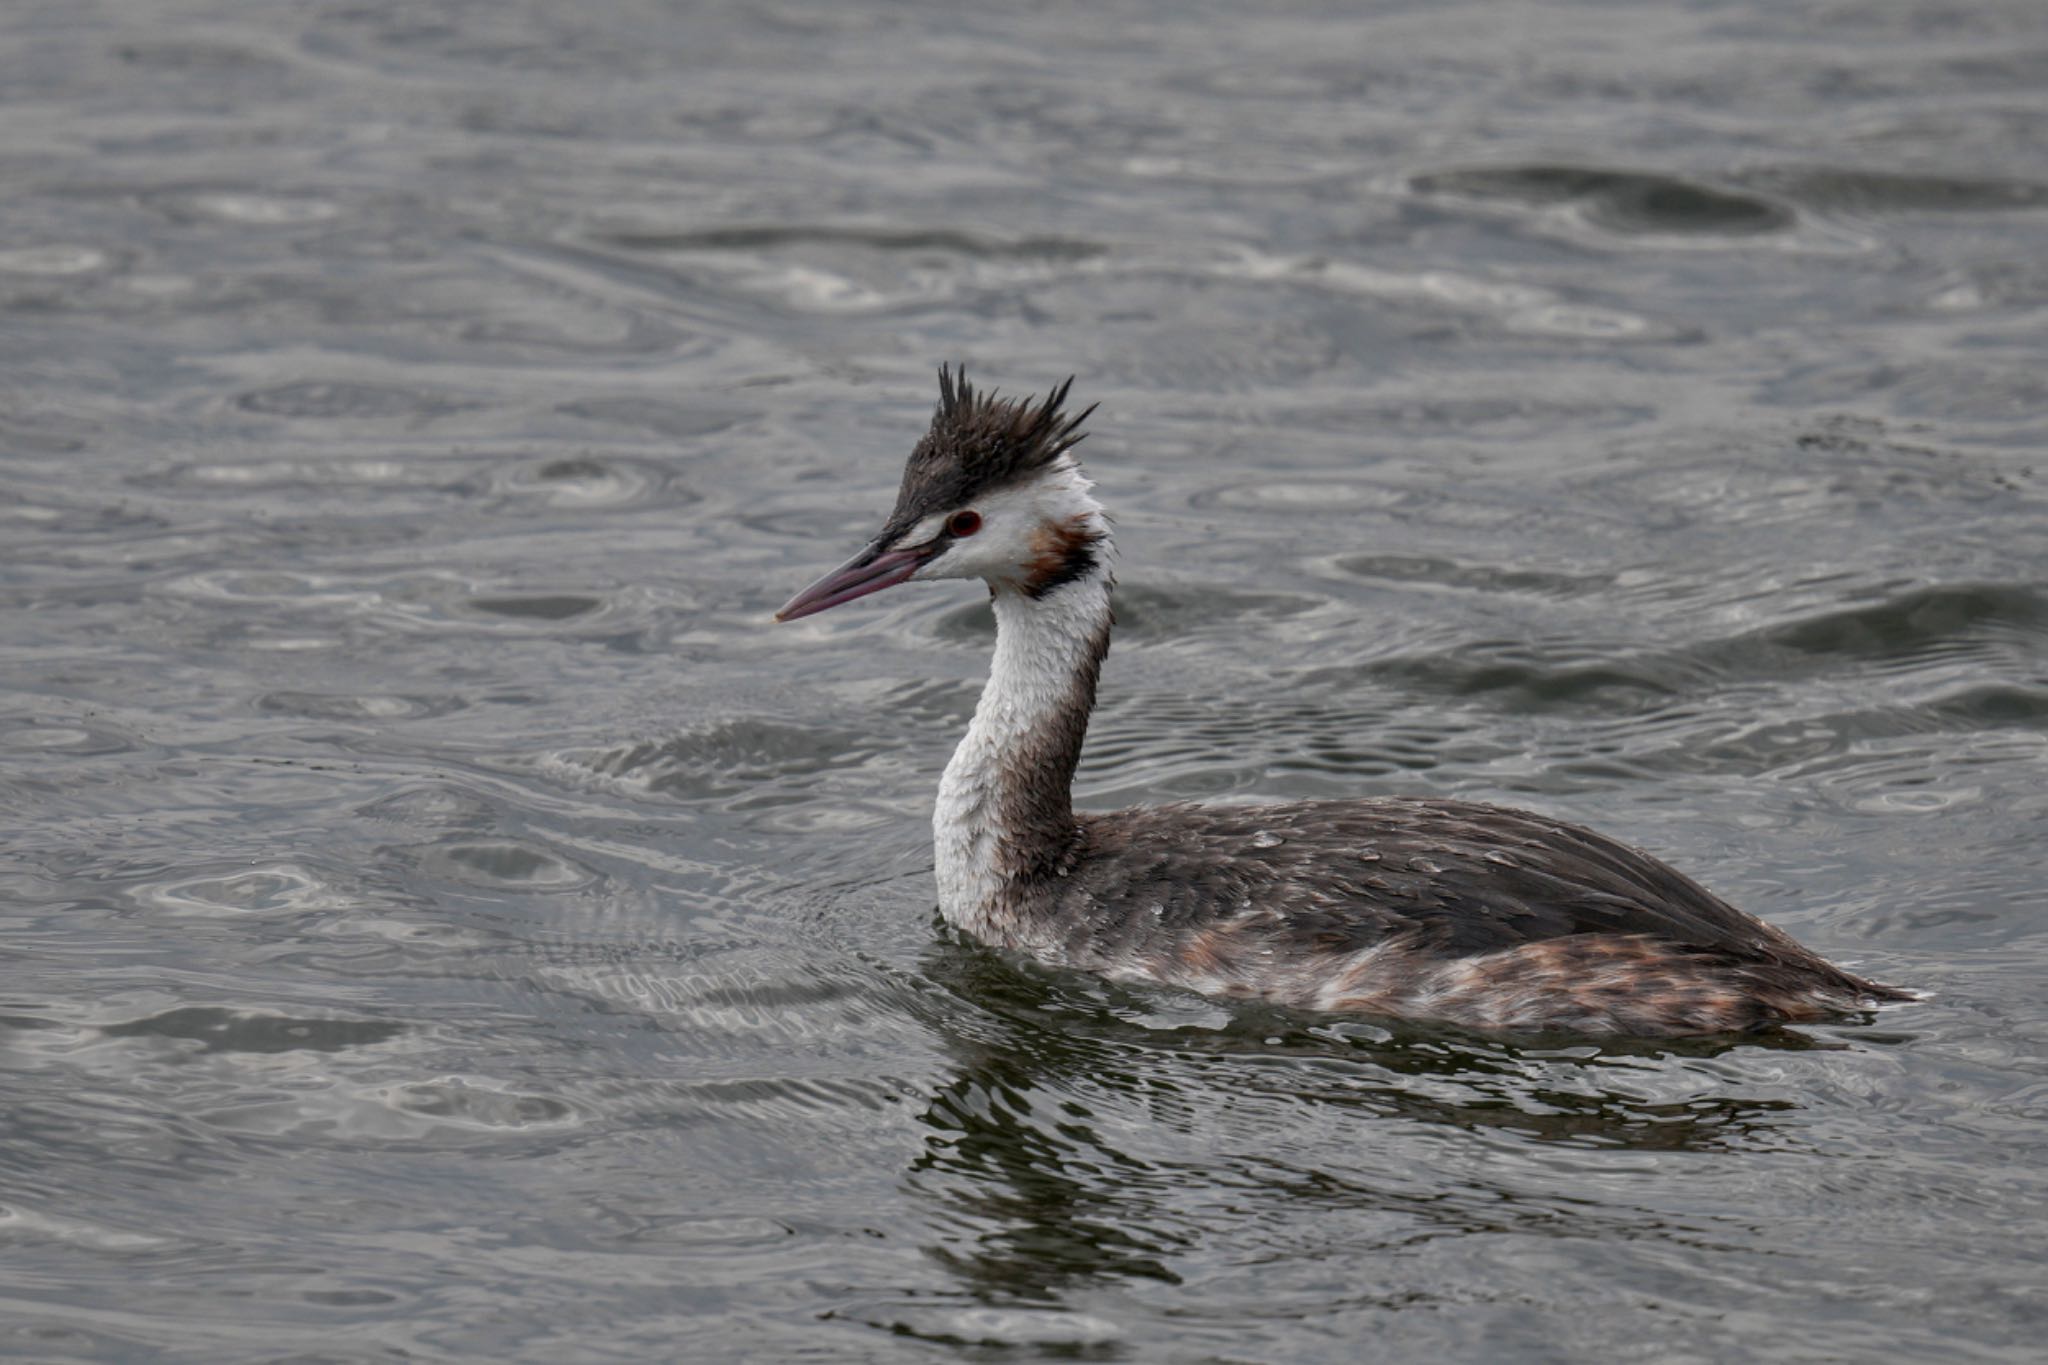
(446, 920)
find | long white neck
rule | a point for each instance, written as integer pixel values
(1004, 822)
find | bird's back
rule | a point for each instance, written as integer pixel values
(1446, 910)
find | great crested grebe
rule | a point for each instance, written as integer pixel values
(1445, 911)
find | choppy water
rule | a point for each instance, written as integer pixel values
(444, 921)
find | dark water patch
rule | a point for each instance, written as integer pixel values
(729, 758)
(572, 472)
(1531, 679)
(1903, 632)
(678, 421)
(1920, 624)
(55, 522)
(314, 400)
(1878, 759)
(505, 864)
(618, 619)
(28, 433)
(1392, 748)
(212, 61)
(433, 807)
(222, 1030)
(197, 58)
(466, 1104)
(1512, 417)
(1150, 747)
(1874, 760)
(598, 331)
(590, 482)
(974, 622)
(1809, 478)
(1482, 578)
(1878, 191)
(1629, 202)
(946, 241)
(925, 704)
(445, 49)
(1166, 613)
(1993, 706)
(1239, 353)
(558, 607)
(779, 1099)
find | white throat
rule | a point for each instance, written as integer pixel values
(1004, 800)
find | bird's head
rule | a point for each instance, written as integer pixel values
(989, 493)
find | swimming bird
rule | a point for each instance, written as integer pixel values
(1426, 910)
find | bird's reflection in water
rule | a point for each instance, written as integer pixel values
(1084, 1139)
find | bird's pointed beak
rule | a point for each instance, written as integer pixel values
(872, 570)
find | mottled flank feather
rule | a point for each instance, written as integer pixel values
(1429, 910)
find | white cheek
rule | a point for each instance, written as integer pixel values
(1000, 549)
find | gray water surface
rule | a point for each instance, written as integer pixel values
(444, 920)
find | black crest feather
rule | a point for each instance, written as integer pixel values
(979, 442)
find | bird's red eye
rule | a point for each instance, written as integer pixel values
(964, 523)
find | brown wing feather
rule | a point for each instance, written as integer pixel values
(1456, 879)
